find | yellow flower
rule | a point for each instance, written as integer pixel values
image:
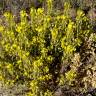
(49, 1)
(58, 17)
(70, 75)
(48, 19)
(80, 13)
(69, 49)
(49, 58)
(39, 29)
(29, 94)
(9, 66)
(54, 33)
(1, 77)
(40, 10)
(23, 24)
(14, 46)
(23, 13)
(33, 83)
(46, 69)
(31, 10)
(18, 28)
(1, 28)
(34, 39)
(63, 43)
(70, 25)
(25, 73)
(41, 78)
(27, 54)
(8, 15)
(39, 63)
(19, 61)
(63, 17)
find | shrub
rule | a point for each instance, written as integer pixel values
(33, 50)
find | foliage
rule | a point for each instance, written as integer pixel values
(33, 50)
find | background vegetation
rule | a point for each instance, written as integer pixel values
(48, 48)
